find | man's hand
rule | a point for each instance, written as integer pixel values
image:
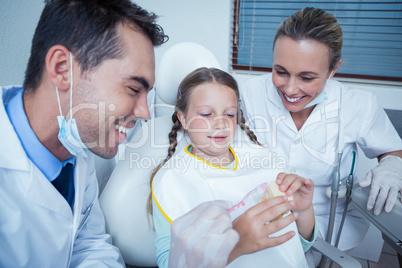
(203, 237)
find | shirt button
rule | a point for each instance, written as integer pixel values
(296, 141)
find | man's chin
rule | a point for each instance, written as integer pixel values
(105, 153)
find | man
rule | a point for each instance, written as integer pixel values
(91, 66)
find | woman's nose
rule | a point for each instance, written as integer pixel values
(292, 86)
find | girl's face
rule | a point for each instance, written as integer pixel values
(300, 71)
(211, 121)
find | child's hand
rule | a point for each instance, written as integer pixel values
(253, 228)
(301, 189)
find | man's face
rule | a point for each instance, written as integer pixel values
(110, 99)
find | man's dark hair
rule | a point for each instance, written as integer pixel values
(89, 29)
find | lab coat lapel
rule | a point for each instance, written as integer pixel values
(10, 143)
(52, 200)
(278, 113)
(80, 172)
(324, 113)
(30, 179)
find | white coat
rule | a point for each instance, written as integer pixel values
(37, 226)
(311, 151)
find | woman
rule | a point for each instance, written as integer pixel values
(296, 110)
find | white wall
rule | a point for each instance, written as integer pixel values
(18, 19)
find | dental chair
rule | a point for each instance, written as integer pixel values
(124, 197)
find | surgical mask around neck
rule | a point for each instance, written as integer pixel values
(68, 133)
(320, 98)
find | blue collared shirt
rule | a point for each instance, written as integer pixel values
(47, 163)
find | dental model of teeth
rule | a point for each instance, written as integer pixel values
(121, 129)
(273, 191)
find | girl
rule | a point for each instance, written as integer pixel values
(208, 109)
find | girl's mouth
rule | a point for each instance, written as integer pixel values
(217, 138)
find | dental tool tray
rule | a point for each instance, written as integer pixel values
(388, 223)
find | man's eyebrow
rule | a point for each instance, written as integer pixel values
(142, 81)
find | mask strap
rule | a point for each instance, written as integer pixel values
(71, 86)
(331, 74)
(58, 100)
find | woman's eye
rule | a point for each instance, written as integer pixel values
(230, 115)
(307, 79)
(205, 115)
(280, 72)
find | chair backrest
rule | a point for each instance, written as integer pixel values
(124, 197)
(396, 118)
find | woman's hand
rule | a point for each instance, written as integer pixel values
(301, 189)
(254, 226)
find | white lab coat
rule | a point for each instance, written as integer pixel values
(184, 182)
(311, 151)
(37, 226)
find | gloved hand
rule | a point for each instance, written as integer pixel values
(386, 182)
(203, 237)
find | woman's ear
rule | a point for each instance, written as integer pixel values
(335, 69)
(58, 66)
(182, 119)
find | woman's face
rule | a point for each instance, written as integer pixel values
(300, 71)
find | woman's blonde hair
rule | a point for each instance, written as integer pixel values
(199, 76)
(316, 24)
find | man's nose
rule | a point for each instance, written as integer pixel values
(141, 109)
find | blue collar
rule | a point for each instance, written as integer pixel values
(36, 152)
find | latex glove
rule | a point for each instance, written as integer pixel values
(386, 182)
(203, 237)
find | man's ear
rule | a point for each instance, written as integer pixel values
(182, 119)
(58, 66)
